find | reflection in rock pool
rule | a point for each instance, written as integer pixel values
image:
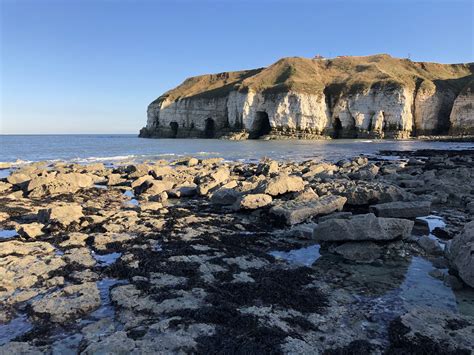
(433, 222)
(8, 233)
(14, 328)
(106, 259)
(106, 309)
(304, 256)
(131, 195)
(4, 173)
(101, 187)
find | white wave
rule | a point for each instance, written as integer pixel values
(99, 159)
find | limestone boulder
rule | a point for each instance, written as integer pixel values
(31, 230)
(365, 194)
(64, 214)
(183, 191)
(297, 211)
(253, 201)
(81, 180)
(115, 179)
(429, 245)
(268, 167)
(151, 206)
(366, 227)
(411, 209)
(157, 187)
(40, 180)
(280, 185)
(213, 180)
(461, 253)
(19, 179)
(225, 196)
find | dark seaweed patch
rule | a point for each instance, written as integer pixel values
(416, 344)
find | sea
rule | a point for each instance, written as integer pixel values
(115, 148)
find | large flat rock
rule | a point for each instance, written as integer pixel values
(362, 228)
(461, 253)
(399, 209)
(293, 212)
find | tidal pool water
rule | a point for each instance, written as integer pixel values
(106, 259)
(304, 256)
(8, 233)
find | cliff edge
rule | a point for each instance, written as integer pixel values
(374, 96)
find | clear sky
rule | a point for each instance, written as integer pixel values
(83, 66)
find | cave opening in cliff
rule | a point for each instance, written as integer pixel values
(210, 128)
(261, 125)
(174, 129)
(337, 126)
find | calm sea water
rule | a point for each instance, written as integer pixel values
(113, 148)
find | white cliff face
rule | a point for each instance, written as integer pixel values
(393, 112)
(286, 111)
(462, 114)
(432, 110)
(376, 111)
(189, 115)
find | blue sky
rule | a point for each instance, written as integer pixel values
(83, 66)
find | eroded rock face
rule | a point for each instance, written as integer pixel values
(462, 114)
(362, 228)
(246, 104)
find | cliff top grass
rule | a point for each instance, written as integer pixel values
(344, 74)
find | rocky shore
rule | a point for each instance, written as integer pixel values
(209, 256)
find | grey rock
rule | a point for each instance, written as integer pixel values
(429, 245)
(281, 184)
(363, 227)
(64, 214)
(343, 215)
(362, 252)
(225, 196)
(183, 191)
(293, 212)
(18, 179)
(400, 209)
(268, 167)
(461, 253)
(364, 194)
(253, 201)
(31, 230)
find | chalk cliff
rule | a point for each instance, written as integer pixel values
(345, 97)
